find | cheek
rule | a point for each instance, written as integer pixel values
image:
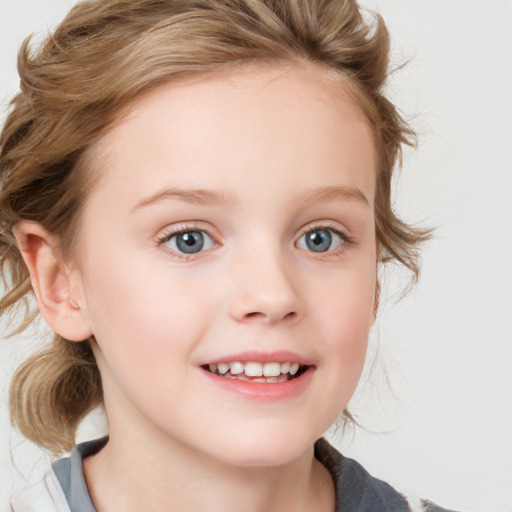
(346, 317)
(146, 330)
(141, 315)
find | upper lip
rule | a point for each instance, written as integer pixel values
(280, 356)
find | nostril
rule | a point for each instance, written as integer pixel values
(271, 318)
(253, 314)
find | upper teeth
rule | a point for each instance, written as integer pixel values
(254, 369)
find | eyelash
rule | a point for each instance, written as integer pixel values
(346, 239)
(166, 236)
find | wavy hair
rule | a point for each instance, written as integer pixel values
(79, 80)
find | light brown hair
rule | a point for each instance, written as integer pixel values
(74, 87)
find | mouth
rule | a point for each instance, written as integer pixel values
(253, 371)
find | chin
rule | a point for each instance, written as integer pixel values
(266, 449)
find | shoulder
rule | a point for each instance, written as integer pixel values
(357, 490)
(63, 489)
(44, 496)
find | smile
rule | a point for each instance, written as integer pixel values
(252, 371)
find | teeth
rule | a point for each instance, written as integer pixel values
(236, 368)
(253, 369)
(258, 372)
(223, 368)
(285, 367)
(271, 369)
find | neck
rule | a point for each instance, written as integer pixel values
(132, 475)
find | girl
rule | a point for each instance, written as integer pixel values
(198, 195)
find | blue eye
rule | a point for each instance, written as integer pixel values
(190, 242)
(321, 240)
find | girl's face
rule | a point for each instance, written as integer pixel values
(232, 226)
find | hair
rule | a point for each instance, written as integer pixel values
(81, 78)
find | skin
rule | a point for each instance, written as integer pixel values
(267, 139)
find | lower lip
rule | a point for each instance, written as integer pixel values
(264, 391)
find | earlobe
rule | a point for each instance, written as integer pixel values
(52, 281)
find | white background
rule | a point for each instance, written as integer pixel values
(444, 431)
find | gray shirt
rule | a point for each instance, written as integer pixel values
(356, 489)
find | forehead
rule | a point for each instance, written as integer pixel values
(227, 127)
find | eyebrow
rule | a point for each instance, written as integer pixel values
(211, 197)
(332, 193)
(192, 196)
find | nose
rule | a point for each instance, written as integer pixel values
(265, 292)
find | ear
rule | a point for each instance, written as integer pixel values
(55, 284)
